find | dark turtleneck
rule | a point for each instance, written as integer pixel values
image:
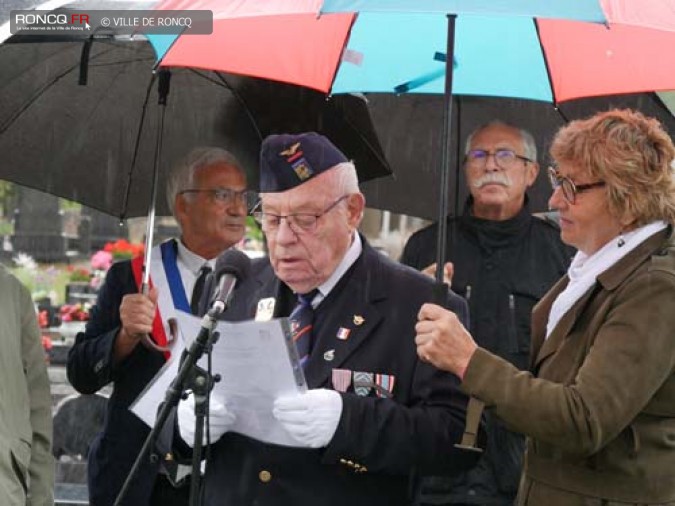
(492, 234)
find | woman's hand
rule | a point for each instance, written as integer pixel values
(442, 340)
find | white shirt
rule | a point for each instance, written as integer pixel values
(347, 261)
(189, 265)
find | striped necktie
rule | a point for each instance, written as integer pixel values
(302, 319)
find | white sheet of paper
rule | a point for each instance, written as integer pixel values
(256, 366)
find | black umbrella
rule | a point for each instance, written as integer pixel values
(409, 128)
(80, 120)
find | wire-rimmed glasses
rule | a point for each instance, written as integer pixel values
(504, 158)
(298, 222)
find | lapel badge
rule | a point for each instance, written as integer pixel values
(342, 378)
(329, 355)
(358, 319)
(343, 334)
(265, 310)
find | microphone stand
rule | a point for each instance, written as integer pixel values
(201, 384)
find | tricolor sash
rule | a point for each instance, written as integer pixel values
(165, 276)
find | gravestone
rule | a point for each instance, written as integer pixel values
(97, 228)
(77, 420)
(39, 227)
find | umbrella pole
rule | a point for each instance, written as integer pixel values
(163, 92)
(474, 409)
(441, 244)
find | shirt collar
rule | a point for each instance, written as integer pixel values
(192, 261)
(348, 260)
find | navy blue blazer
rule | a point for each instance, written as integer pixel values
(90, 368)
(379, 442)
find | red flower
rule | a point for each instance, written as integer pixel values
(123, 249)
(73, 312)
(47, 343)
(43, 319)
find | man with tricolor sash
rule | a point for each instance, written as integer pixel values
(128, 338)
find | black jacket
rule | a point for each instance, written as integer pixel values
(379, 442)
(502, 269)
(90, 367)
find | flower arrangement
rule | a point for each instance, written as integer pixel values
(74, 312)
(123, 249)
(101, 260)
(79, 274)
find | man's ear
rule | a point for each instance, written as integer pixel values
(532, 173)
(356, 203)
(180, 208)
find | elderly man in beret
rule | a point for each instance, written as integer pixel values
(374, 416)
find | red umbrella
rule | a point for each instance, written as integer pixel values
(281, 40)
(588, 59)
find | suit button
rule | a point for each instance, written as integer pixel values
(265, 476)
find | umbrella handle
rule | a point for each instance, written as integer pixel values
(152, 345)
(147, 341)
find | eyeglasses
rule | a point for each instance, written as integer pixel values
(227, 196)
(570, 189)
(300, 222)
(504, 158)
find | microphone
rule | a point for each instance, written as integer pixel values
(232, 267)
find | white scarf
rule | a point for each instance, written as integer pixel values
(584, 270)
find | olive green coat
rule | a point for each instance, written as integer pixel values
(599, 404)
(26, 464)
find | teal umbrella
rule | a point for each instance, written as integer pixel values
(549, 51)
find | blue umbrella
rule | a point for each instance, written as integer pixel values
(465, 47)
(401, 46)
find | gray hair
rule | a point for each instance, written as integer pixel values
(529, 144)
(182, 175)
(346, 178)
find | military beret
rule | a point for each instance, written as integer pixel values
(288, 160)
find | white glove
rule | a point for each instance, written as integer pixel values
(311, 418)
(220, 420)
